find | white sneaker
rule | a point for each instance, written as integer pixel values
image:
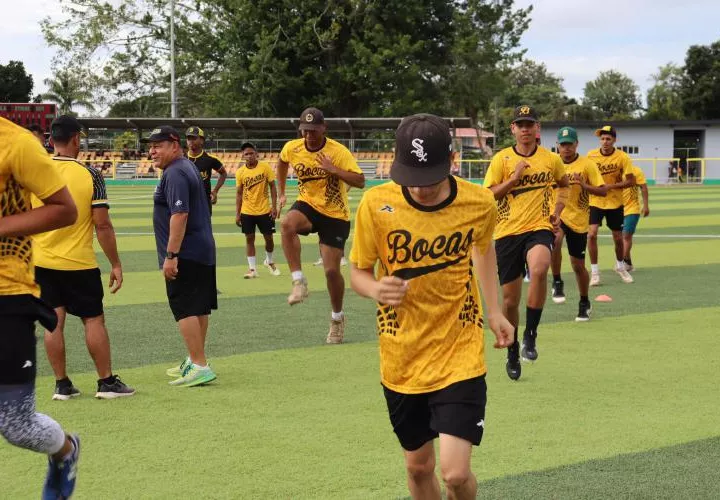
(299, 292)
(271, 267)
(343, 261)
(595, 279)
(624, 275)
(318, 262)
(252, 273)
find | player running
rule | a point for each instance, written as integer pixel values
(631, 211)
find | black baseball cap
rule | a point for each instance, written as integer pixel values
(162, 133)
(422, 151)
(524, 113)
(195, 132)
(607, 129)
(312, 119)
(64, 127)
(247, 145)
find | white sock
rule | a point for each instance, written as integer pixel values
(297, 275)
(619, 265)
(594, 268)
(252, 262)
(337, 316)
(199, 367)
(269, 257)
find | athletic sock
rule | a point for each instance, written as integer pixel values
(297, 275)
(269, 257)
(594, 268)
(109, 380)
(337, 316)
(556, 278)
(532, 319)
(628, 261)
(619, 265)
(584, 298)
(252, 261)
(64, 382)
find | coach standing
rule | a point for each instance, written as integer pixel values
(186, 251)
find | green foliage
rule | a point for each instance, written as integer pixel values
(127, 139)
(613, 94)
(69, 89)
(701, 85)
(664, 99)
(15, 83)
(144, 106)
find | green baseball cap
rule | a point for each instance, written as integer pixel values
(567, 135)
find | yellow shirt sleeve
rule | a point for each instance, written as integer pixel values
(483, 237)
(558, 167)
(494, 174)
(593, 175)
(639, 176)
(238, 179)
(34, 169)
(627, 166)
(347, 162)
(270, 173)
(364, 251)
(284, 153)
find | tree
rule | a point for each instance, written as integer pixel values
(531, 83)
(614, 94)
(68, 91)
(144, 106)
(15, 84)
(701, 84)
(664, 98)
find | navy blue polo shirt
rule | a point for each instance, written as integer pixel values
(181, 190)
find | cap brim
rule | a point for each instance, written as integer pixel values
(193, 135)
(600, 132)
(525, 119)
(157, 138)
(418, 177)
(311, 126)
(566, 140)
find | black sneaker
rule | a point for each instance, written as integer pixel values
(65, 390)
(558, 292)
(584, 310)
(513, 361)
(529, 352)
(113, 389)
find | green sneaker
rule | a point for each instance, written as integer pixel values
(193, 375)
(177, 371)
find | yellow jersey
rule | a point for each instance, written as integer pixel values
(255, 184)
(530, 203)
(576, 214)
(613, 168)
(631, 195)
(25, 169)
(434, 338)
(324, 192)
(71, 248)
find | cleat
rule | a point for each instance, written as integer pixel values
(272, 268)
(512, 366)
(337, 332)
(177, 371)
(65, 392)
(624, 275)
(116, 389)
(318, 262)
(61, 476)
(529, 351)
(584, 310)
(299, 292)
(558, 292)
(252, 273)
(193, 376)
(595, 279)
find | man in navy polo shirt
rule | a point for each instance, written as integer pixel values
(186, 251)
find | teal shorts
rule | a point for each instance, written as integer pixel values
(630, 223)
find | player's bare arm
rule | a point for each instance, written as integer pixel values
(502, 189)
(646, 199)
(273, 198)
(486, 270)
(238, 202)
(222, 176)
(178, 224)
(388, 290)
(351, 178)
(596, 190)
(562, 197)
(105, 233)
(281, 170)
(622, 184)
(58, 211)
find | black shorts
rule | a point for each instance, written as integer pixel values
(576, 242)
(194, 290)
(79, 292)
(457, 410)
(613, 216)
(265, 223)
(18, 314)
(333, 232)
(512, 252)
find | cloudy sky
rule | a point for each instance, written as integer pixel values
(575, 39)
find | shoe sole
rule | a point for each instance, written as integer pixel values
(62, 397)
(333, 341)
(173, 375)
(246, 277)
(581, 320)
(113, 395)
(294, 302)
(558, 300)
(202, 381)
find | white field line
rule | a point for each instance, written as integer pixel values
(672, 236)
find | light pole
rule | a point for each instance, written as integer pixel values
(173, 90)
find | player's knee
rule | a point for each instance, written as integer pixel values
(592, 237)
(578, 266)
(455, 477)
(288, 226)
(420, 471)
(511, 303)
(250, 238)
(332, 274)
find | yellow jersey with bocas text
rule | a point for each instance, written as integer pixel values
(613, 168)
(434, 338)
(529, 204)
(324, 192)
(576, 214)
(631, 195)
(71, 248)
(255, 183)
(25, 169)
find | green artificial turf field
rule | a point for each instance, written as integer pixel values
(625, 406)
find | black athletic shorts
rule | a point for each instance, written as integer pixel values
(18, 314)
(457, 410)
(193, 292)
(79, 292)
(333, 232)
(265, 223)
(512, 252)
(613, 216)
(576, 242)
